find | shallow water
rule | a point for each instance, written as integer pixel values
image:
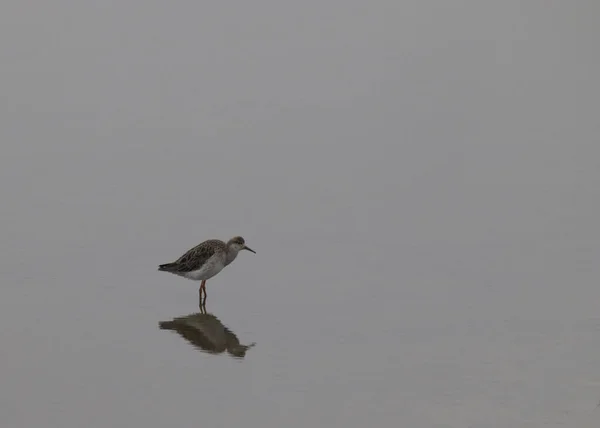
(420, 189)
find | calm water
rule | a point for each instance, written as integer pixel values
(426, 225)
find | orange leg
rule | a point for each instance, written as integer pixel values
(202, 288)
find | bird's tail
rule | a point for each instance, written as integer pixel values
(166, 267)
(166, 325)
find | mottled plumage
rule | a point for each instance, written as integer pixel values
(195, 257)
(206, 260)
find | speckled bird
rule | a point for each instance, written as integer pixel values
(206, 260)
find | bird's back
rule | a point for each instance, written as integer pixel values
(195, 257)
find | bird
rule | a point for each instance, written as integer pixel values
(206, 260)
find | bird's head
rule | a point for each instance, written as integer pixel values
(237, 243)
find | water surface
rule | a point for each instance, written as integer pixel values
(420, 184)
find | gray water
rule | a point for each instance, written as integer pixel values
(420, 181)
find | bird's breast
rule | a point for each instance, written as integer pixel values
(231, 255)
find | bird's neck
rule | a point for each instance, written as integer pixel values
(231, 255)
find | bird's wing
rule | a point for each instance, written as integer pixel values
(196, 257)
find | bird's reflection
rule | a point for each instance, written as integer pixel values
(207, 333)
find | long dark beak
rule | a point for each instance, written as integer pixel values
(249, 249)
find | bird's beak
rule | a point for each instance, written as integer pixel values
(249, 249)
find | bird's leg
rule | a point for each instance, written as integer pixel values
(200, 303)
(203, 287)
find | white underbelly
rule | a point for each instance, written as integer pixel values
(205, 272)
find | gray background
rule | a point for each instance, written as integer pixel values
(420, 180)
